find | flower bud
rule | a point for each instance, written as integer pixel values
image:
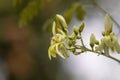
(72, 36)
(70, 43)
(96, 42)
(76, 30)
(103, 33)
(82, 25)
(100, 46)
(108, 25)
(73, 50)
(92, 40)
(78, 37)
(62, 22)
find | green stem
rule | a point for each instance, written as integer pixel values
(113, 58)
(82, 40)
(100, 53)
(103, 54)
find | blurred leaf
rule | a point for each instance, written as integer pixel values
(48, 25)
(75, 7)
(41, 4)
(69, 12)
(28, 13)
(48, 0)
(17, 2)
(68, 15)
(80, 13)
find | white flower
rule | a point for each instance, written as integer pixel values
(58, 43)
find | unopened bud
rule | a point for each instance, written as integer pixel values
(73, 50)
(76, 30)
(96, 42)
(103, 33)
(108, 25)
(72, 36)
(61, 21)
(78, 37)
(70, 43)
(82, 25)
(92, 40)
(100, 46)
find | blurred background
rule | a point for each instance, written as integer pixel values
(25, 32)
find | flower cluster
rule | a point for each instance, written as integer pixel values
(58, 41)
(62, 41)
(109, 40)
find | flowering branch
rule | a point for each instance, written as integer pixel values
(62, 42)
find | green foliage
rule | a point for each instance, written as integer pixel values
(68, 42)
(28, 13)
(17, 2)
(48, 25)
(30, 9)
(80, 13)
(77, 9)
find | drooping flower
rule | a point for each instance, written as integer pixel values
(58, 43)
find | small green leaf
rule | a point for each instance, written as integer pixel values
(48, 25)
(28, 13)
(75, 7)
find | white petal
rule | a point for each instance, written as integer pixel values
(54, 28)
(52, 51)
(58, 52)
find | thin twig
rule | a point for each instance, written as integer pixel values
(82, 41)
(103, 54)
(100, 53)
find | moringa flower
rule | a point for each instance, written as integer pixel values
(58, 43)
(108, 24)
